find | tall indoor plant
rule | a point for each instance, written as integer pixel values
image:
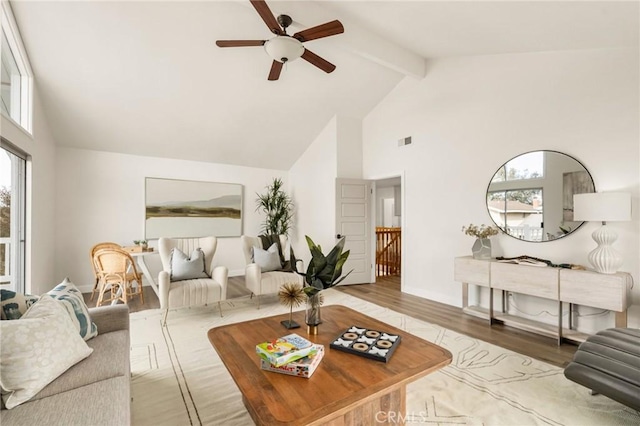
(278, 208)
(323, 272)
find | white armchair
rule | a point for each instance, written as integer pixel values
(193, 292)
(259, 282)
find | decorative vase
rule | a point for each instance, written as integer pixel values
(482, 249)
(144, 246)
(312, 314)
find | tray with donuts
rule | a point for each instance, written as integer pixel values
(374, 344)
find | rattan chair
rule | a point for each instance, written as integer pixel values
(94, 267)
(117, 272)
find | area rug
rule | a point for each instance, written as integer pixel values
(178, 379)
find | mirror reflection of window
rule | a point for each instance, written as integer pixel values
(530, 197)
(519, 212)
(526, 166)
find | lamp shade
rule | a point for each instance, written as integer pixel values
(602, 207)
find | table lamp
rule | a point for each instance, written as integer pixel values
(603, 207)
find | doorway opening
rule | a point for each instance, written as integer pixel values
(388, 225)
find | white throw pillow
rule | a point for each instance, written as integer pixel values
(268, 260)
(71, 299)
(36, 349)
(187, 268)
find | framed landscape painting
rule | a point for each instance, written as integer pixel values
(189, 209)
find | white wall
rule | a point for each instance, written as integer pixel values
(312, 186)
(40, 223)
(349, 147)
(382, 194)
(100, 197)
(470, 115)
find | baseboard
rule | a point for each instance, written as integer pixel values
(236, 273)
(85, 288)
(430, 295)
(89, 288)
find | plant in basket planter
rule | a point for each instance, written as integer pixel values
(323, 272)
(482, 246)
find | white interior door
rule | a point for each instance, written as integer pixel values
(353, 221)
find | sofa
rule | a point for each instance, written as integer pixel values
(609, 363)
(95, 391)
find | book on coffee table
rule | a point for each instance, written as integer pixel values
(303, 367)
(286, 349)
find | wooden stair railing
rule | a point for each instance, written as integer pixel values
(388, 251)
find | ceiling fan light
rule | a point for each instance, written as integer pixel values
(284, 48)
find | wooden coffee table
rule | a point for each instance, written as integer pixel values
(346, 389)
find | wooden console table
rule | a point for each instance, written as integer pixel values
(579, 287)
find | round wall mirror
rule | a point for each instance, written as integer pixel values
(530, 197)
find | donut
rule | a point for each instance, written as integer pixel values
(360, 347)
(384, 343)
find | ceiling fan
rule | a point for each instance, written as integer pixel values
(284, 48)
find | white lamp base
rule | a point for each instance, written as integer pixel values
(604, 258)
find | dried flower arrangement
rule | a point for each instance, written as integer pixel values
(482, 231)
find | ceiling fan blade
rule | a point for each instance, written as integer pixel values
(276, 68)
(320, 31)
(239, 43)
(316, 60)
(267, 16)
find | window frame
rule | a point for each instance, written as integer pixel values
(10, 29)
(18, 216)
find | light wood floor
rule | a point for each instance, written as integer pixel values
(386, 292)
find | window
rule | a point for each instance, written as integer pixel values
(16, 77)
(12, 219)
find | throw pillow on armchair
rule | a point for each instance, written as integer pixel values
(187, 268)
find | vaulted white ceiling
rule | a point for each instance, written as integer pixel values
(146, 77)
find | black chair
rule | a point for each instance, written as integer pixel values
(609, 363)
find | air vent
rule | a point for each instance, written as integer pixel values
(404, 141)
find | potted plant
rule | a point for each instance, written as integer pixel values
(482, 246)
(278, 208)
(323, 272)
(143, 244)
